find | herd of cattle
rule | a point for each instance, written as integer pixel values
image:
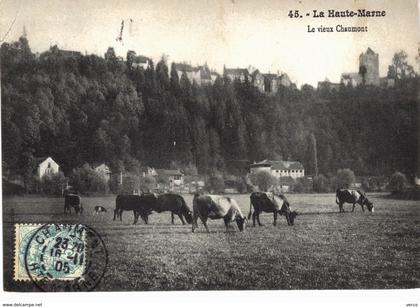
(206, 206)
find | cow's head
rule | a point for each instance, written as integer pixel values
(293, 215)
(188, 217)
(241, 222)
(369, 205)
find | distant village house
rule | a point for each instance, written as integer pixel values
(47, 166)
(285, 171)
(172, 178)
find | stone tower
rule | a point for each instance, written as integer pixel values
(369, 67)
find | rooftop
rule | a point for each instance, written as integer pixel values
(169, 172)
(279, 165)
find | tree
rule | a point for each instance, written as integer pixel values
(345, 178)
(148, 183)
(131, 182)
(315, 153)
(320, 184)
(398, 182)
(263, 179)
(53, 184)
(400, 69)
(86, 180)
(215, 184)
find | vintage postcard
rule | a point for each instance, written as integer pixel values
(210, 145)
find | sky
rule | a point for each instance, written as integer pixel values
(235, 33)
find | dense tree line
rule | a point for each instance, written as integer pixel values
(88, 109)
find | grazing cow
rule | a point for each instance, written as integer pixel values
(353, 197)
(269, 202)
(174, 203)
(140, 205)
(73, 201)
(99, 209)
(217, 207)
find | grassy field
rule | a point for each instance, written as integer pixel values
(324, 250)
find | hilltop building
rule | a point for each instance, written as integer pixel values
(265, 83)
(200, 74)
(233, 74)
(141, 61)
(328, 85)
(258, 81)
(368, 72)
(369, 67)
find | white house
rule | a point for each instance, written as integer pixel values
(285, 171)
(278, 169)
(47, 166)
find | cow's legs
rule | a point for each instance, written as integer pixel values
(204, 220)
(275, 218)
(145, 218)
(340, 205)
(181, 218)
(254, 215)
(194, 222)
(354, 205)
(288, 218)
(136, 216)
(258, 219)
(115, 214)
(226, 220)
(363, 208)
(172, 218)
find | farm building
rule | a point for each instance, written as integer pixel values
(46, 166)
(170, 177)
(103, 170)
(279, 169)
(148, 171)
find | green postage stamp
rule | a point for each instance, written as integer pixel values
(51, 251)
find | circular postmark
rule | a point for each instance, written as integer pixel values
(61, 257)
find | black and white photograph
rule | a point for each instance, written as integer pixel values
(175, 147)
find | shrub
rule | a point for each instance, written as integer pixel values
(302, 185)
(240, 185)
(87, 180)
(264, 180)
(345, 178)
(130, 183)
(215, 184)
(148, 183)
(53, 184)
(398, 182)
(320, 184)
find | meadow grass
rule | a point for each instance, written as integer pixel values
(323, 250)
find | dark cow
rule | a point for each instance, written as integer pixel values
(217, 207)
(353, 197)
(174, 203)
(73, 201)
(140, 205)
(99, 209)
(269, 202)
